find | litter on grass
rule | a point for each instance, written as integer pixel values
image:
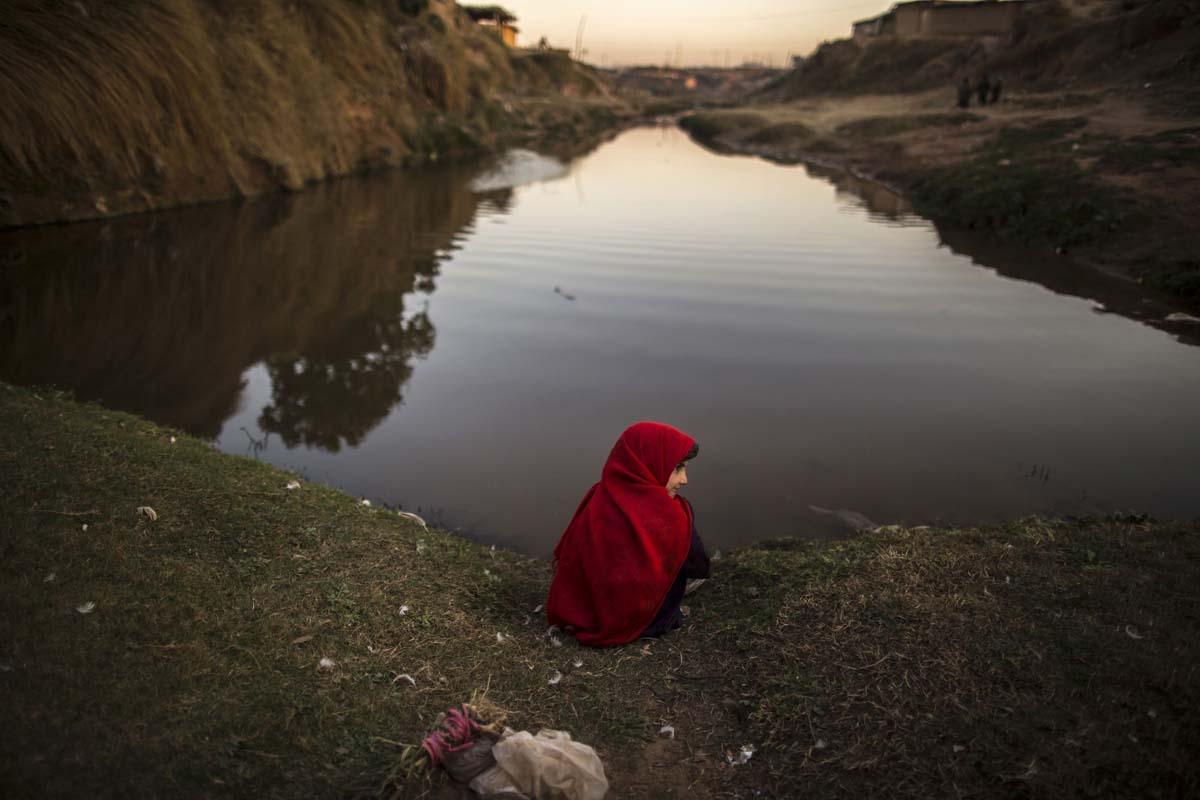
(326, 665)
(1132, 632)
(479, 753)
(85, 527)
(555, 677)
(668, 731)
(366, 502)
(147, 512)
(416, 519)
(50, 577)
(405, 677)
(292, 485)
(86, 608)
(499, 636)
(403, 610)
(744, 755)
(577, 663)
(172, 440)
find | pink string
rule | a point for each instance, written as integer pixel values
(455, 734)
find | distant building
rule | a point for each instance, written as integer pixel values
(944, 18)
(498, 19)
(797, 62)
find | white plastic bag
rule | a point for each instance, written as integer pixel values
(548, 766)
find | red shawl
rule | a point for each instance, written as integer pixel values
(626, 543)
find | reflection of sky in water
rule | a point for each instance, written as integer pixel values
(474, 355)
(820, 358)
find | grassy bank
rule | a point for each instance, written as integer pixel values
(1034, 659)
(108, 108)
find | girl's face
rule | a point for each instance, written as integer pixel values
(678, 478)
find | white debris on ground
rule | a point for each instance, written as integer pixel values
(403, 610)
(416, 519)
(172, 440)
(555, 677)
(539, 608)
(326, 664)
(820, 744)
(85, 527)
(366, 502)
(1132, 632)
(958, 748)
(552, 634)
(86, 608)
(405, 677)
(668, 731)
(292, 485)
(577, 663)
(147, 512)
(1179, 316)
(50, 576)
(744, 755)
(499, 637)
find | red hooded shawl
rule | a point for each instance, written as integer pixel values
(626, 543)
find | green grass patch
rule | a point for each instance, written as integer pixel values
(781, 134)
(879, 127)
(709, 126)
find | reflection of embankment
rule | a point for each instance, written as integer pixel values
(162, 315)
(879, 200)
(1113, 294)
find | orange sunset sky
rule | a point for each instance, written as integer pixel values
(689, 32)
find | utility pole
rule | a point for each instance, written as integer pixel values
(579, 37)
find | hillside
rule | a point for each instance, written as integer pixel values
(110, 108)
(1060, 43)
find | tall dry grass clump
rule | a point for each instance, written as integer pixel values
(105, 86)
(110, 107)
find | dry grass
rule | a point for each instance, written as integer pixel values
(1035, 659)
(106, 87)
(114, 107)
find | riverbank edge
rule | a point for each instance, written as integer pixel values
(179, 651)
(1018, 185)
(582, 129)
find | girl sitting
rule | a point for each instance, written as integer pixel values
(622, 566)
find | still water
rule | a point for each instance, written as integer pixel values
(467, 343)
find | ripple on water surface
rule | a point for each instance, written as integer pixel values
(469, 343)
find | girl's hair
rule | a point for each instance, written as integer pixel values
(690, 455)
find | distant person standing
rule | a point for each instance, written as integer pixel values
(964, 93)
(984, 89)
(996, 86)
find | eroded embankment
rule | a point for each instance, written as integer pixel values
(111, 108)
(1039, 658)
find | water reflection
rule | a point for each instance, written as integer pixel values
(1111, 293)
(472, 355)
(162, 314)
